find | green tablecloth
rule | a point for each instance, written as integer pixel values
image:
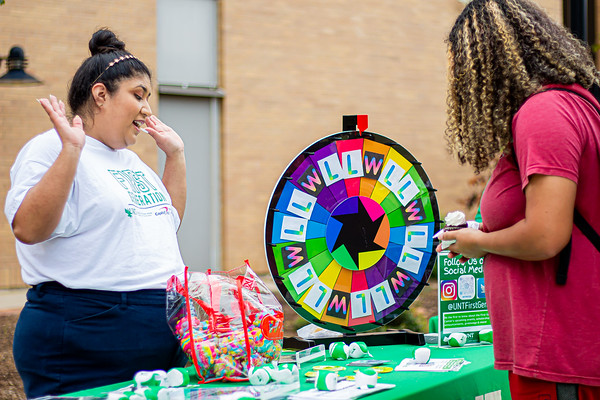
(478, 378)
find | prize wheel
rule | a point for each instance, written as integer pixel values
(349, 230)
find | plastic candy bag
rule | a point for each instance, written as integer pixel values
(226, 322)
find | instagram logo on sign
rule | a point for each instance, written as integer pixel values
(449, 290)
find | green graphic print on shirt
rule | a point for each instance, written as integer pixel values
(141, 191)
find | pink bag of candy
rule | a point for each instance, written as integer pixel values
(226, 322)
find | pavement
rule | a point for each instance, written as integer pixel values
(12, 300)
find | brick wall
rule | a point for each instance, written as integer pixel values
(55, 36)
(290, 71)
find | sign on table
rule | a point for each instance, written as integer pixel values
(461, 298)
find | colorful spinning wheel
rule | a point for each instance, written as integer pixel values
(349, 230)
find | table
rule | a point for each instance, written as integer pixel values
(475, 381)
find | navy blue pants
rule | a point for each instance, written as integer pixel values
(68, 340)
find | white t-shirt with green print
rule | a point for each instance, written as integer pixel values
(118, 229)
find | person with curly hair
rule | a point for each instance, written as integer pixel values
(96, 232)
(519, 102)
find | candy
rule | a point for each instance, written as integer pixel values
(186, 344)
(149, 378)
(225, 366)
(259, 376)
(339, 351)
(358, 350)
(287, 373)
(486, 336)
(177, 377)
(326, 380)
(206, 354)
(422, 355)
(230, 352)
(456, 339)
(366, 379)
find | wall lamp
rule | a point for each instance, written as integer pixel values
(15, 64)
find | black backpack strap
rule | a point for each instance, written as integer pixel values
(565, 254)
(564, 257)
(587, 229)
(578, 219)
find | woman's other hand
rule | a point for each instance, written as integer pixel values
(174, 175)
(166, 138)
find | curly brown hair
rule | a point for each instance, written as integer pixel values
(500, 52)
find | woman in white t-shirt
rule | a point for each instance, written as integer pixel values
(96, 232)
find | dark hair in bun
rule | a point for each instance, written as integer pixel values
(104, 41)
(109, 64)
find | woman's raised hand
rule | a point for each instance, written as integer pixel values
(166, 138)
(70, 133)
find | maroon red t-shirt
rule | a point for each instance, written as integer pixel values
(543, 330)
